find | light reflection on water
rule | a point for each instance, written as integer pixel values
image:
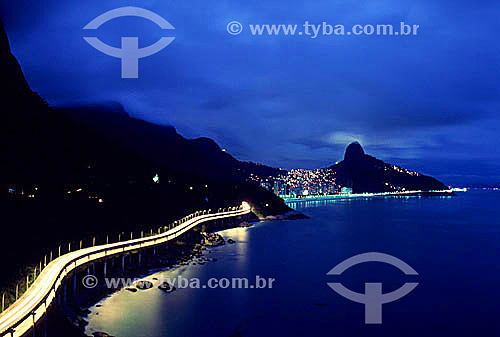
(452, 242)
(124, 313)
(307, 203)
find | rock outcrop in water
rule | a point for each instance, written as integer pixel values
(213, 240)
(364, 173)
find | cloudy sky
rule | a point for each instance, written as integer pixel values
(429, 102)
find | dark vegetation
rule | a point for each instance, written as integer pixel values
(80, 172)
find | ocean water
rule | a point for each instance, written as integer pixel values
(452, 242)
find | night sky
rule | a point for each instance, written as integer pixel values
(428, 102)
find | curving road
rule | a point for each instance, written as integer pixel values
(20, 317)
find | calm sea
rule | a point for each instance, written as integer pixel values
(452, 242)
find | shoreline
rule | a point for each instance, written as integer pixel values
(186, 255)
(191, 252)
(74, 317)
(369, 195)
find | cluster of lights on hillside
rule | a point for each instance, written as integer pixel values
(400, 170)
(319, 182)
(298, 182)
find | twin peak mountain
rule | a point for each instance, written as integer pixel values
(364, 173)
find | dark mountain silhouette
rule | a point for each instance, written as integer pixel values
(164, 146)
(364, 173)
(57, 146)
(92, 170)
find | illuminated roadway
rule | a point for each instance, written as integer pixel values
(363, 195)
(30, 307)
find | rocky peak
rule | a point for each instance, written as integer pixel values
(354, 152)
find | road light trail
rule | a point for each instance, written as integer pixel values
(20, 317)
